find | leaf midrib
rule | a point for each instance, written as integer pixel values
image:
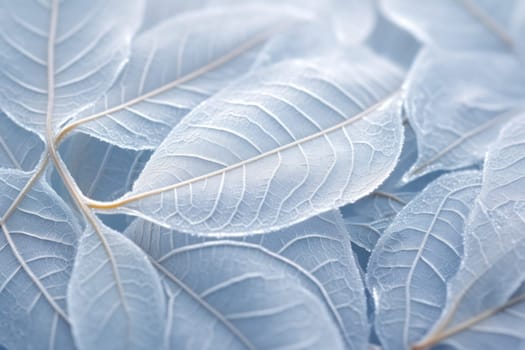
(135, 197)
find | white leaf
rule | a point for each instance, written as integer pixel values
(486, 298)
(178, 64)
(319, 245)
(90, 48)
(243, 296)
(456, 105)
(115, 299)
(37, 249)
(418, 253)
(290, 142)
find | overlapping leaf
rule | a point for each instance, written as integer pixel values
(168, 75)
(318, 248)
(115, 296)
(90, 48)
(37, 250)
(284, 120)
(285, 144)
(485, 305)
(456, 106)
(419, 252)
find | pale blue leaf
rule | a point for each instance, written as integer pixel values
(456, 106)
(285, 144)
(205, 51)
(243, 296)
(351, 21)
(486, 298)
(37, 249)
(19, 148)
(115, 296)
(456, 24)
(320, 246)
(418, 253)
(90, 48)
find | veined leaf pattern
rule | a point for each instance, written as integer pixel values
(419, 252)
(318, 249)
(478, 308)
(471, 110)
(37, 250)
(242, 184)
(226, 174)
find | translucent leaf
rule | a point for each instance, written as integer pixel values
(90, 47)
(290, 142)
(206, 51)
(457, 105)
(456, 24)
(243, 296)
(37, 248)
(14, 153)
(115, 304)
(320, 246)
(419, 252)
(351, 20)
(486, 298)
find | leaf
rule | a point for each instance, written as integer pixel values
(319, 247)
(456, 119)
(37, 248)
(269, 152)
(211, 48)
(108, 314)
(485, 306)
(89, 50)
(351, 20)
(65, 70)
(243, 291)
(418, 253)
(15, 154)
(470, 24)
